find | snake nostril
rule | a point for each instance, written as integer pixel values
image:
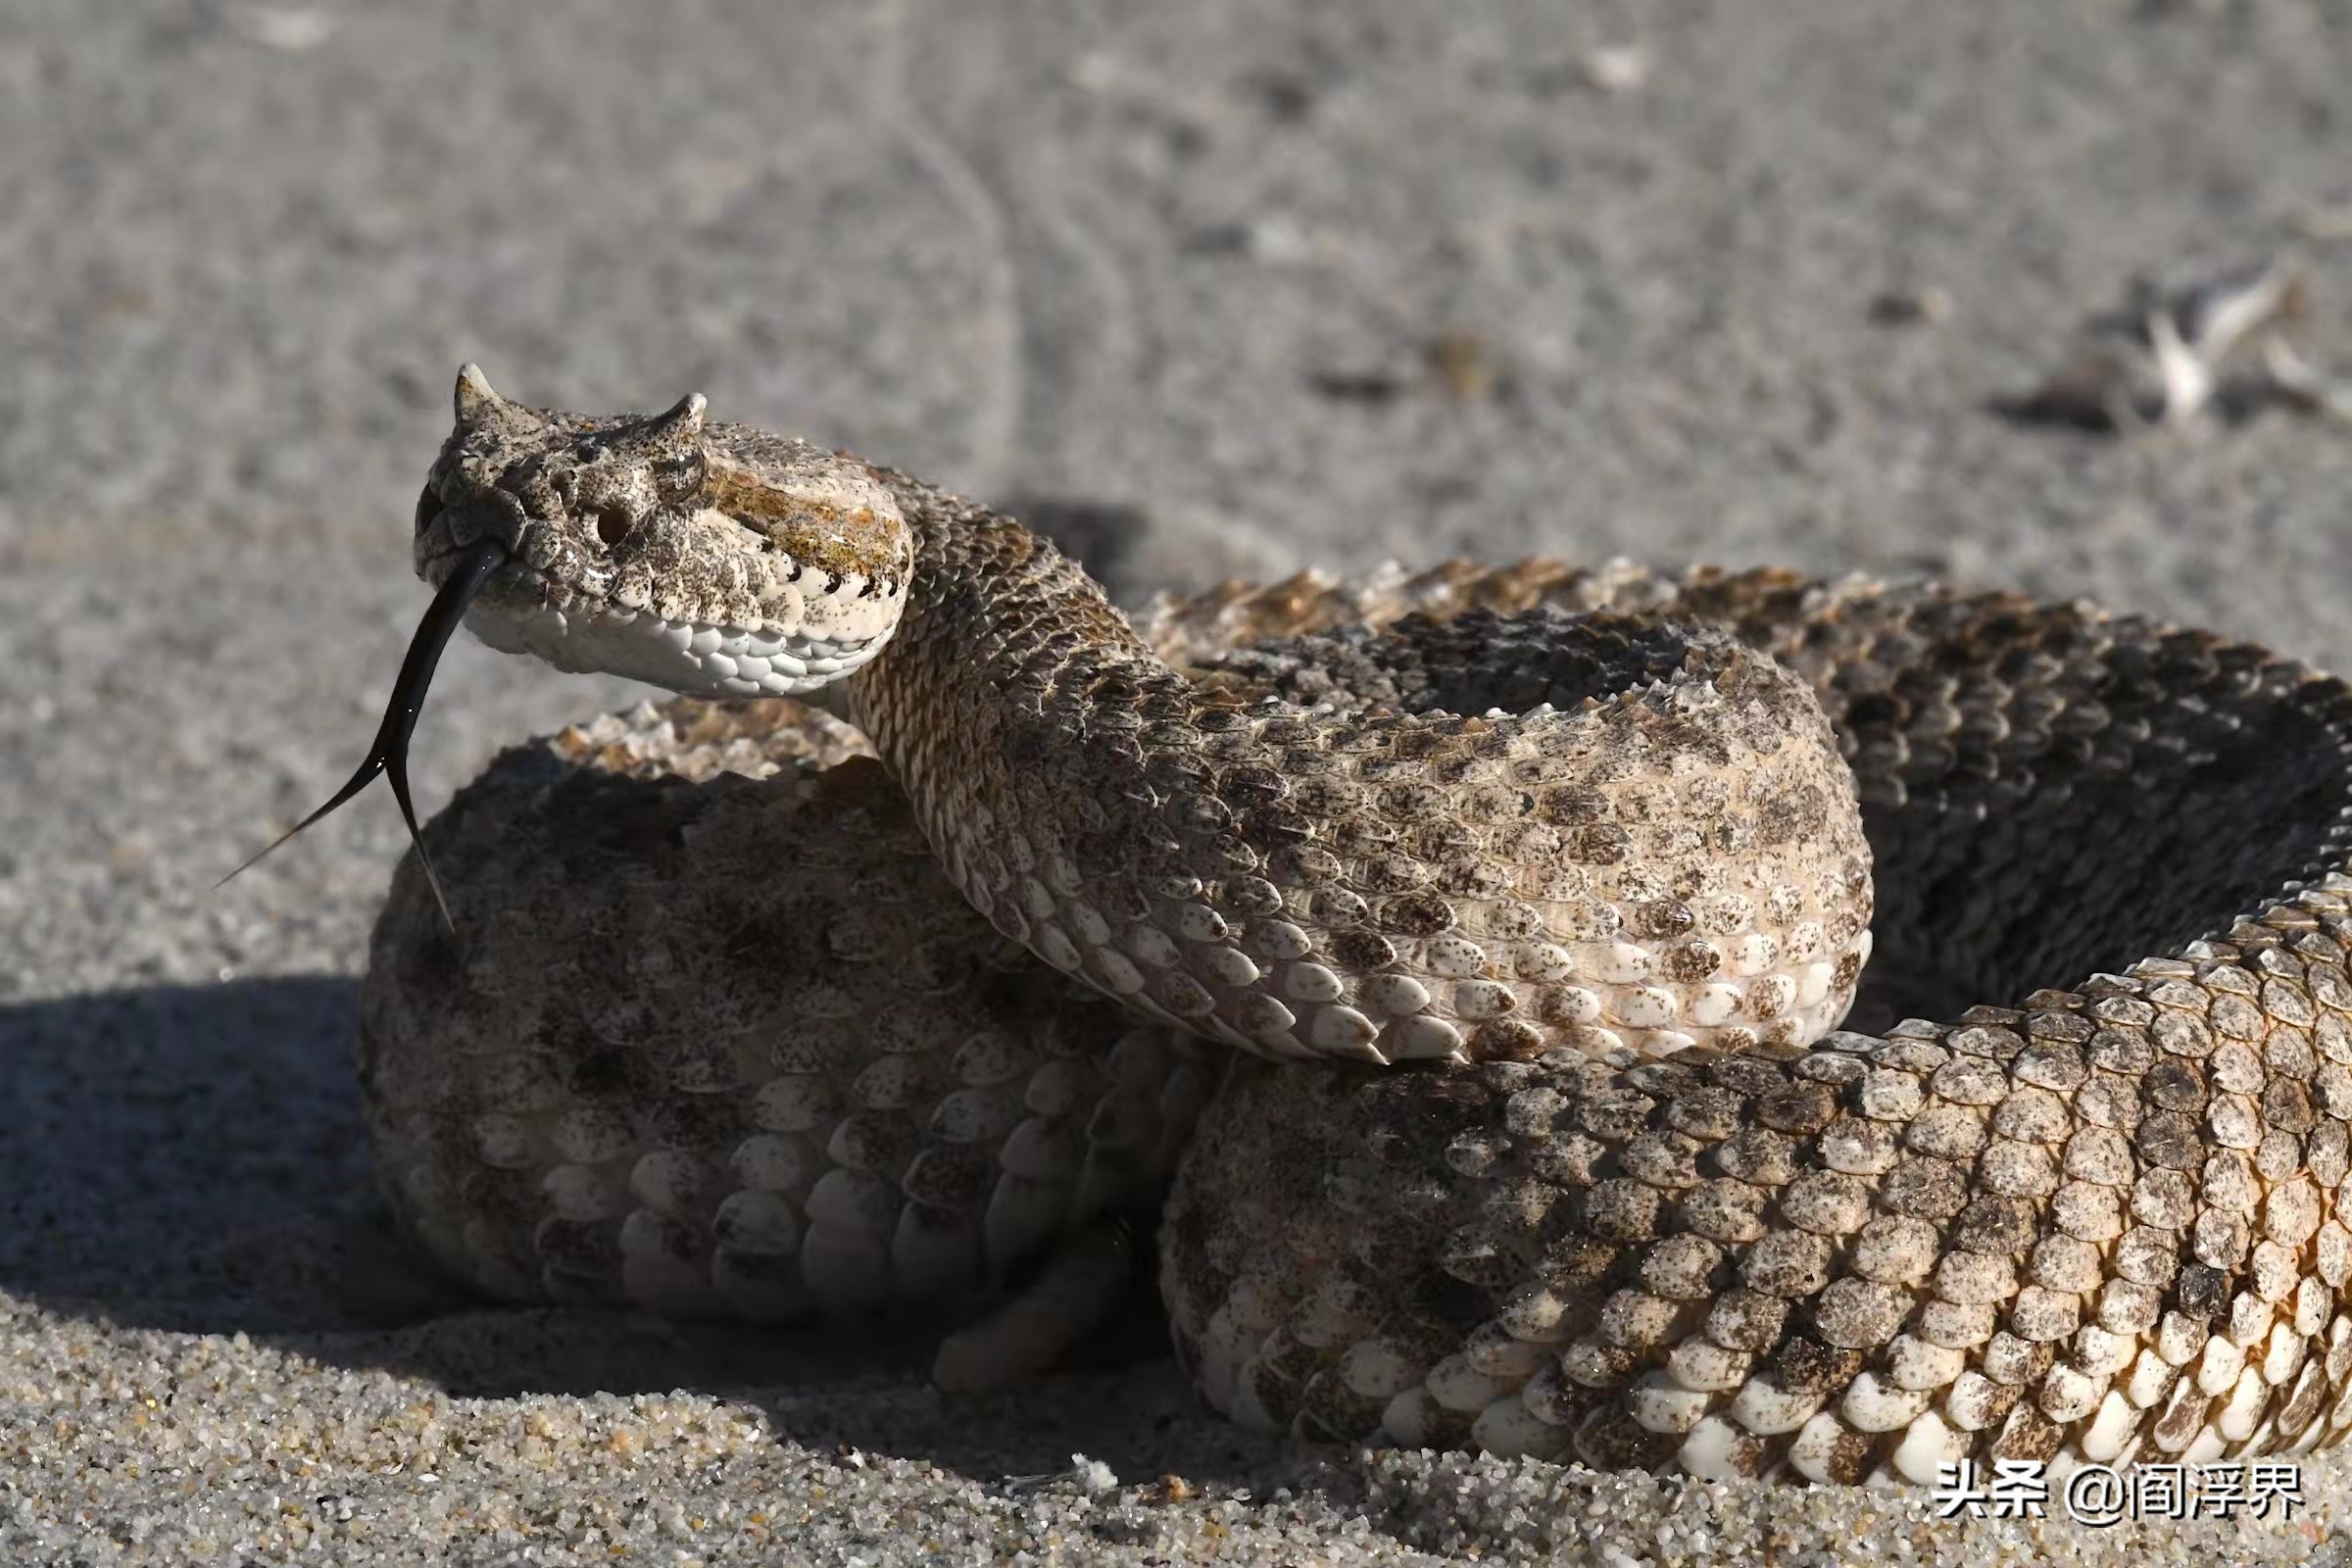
(613, 524)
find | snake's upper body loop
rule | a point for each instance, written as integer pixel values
(1603, 835)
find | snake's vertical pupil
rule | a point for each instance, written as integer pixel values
(389, 753)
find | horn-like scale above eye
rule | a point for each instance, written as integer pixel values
(712, 559)
(476, 399)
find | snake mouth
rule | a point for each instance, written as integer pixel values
(571, 611)
(470, 567)
(578, 629)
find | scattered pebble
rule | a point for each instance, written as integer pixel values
(1462, 363)
(290, 29)
(1920, 307)
(2162, 361)
(1615, 68)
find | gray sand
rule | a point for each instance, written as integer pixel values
(1224, 286)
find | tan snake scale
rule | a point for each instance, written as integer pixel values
(1560, 872)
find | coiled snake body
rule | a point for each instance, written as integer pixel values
(1562, 872)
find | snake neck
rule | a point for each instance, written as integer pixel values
(1361, 884)
(1007, 668)
(995, 615)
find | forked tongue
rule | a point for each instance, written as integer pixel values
(390, 753)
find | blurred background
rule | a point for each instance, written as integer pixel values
(1357, 279)
(1976, 291)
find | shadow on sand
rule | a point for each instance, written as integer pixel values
(194, 1160)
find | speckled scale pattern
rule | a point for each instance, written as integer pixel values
(1449, 874)
(2095, 1223)
(2090, 1215)
(718, 1040)
(1597, 834)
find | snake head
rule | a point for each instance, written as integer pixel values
(714, 559)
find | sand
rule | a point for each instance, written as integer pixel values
(1219, 287)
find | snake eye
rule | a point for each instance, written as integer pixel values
(678, 478)
(614, 522)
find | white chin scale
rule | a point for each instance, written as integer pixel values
(692, 659)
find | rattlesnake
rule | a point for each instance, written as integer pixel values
(727, 1045)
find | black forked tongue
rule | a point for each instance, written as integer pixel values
(390, 751)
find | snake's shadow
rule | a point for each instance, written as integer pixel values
(192, 1159)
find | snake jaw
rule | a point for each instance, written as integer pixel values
(533, 613)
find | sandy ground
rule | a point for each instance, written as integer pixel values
(1224, 286)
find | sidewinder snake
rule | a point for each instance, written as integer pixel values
(1470, 945)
